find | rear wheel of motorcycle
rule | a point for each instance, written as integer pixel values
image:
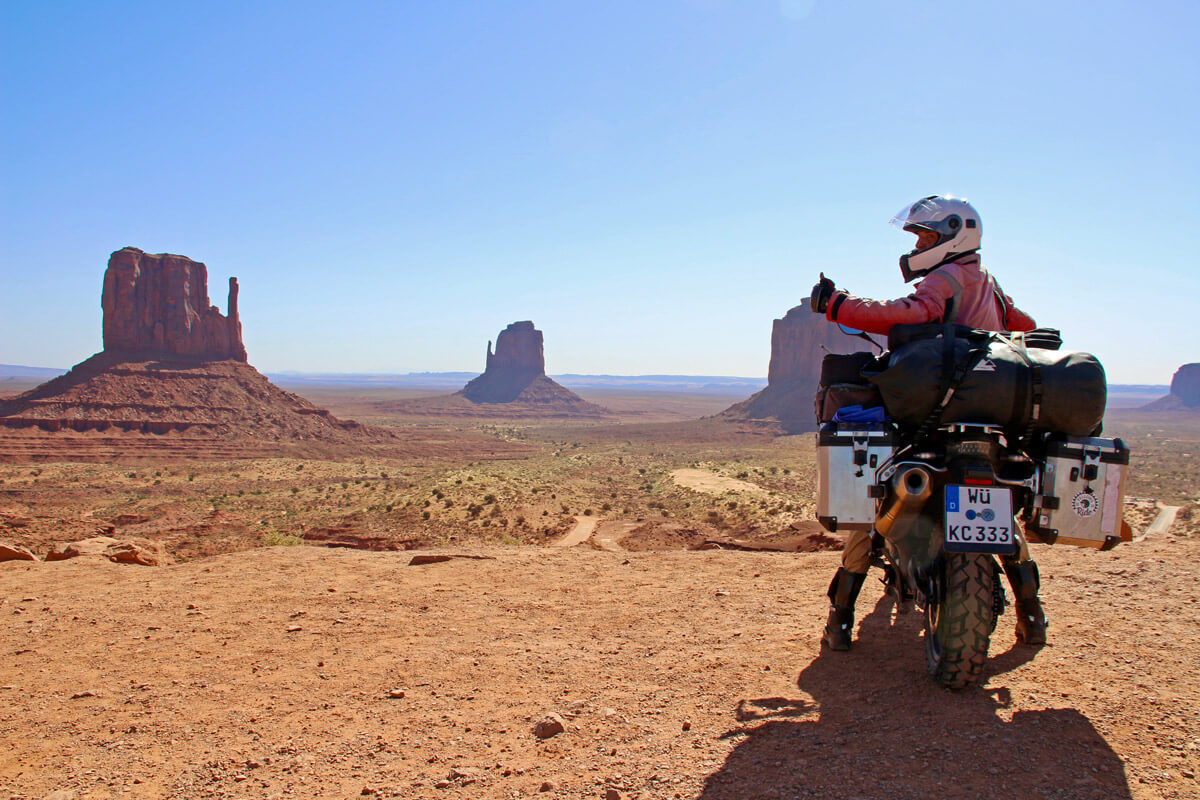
(958, 628)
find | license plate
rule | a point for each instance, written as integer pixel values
(979, 519)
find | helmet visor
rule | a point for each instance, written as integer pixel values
(920, 213)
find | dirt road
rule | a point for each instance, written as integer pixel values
(579, 533)
(702, 480)
(301, 672)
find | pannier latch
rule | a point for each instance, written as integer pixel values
(1091, 463)
(859, 444)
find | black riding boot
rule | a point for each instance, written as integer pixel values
(1031, 620)
(842, 594)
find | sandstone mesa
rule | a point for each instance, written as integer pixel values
(799, 341)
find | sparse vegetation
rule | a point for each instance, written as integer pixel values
(622, 472)
(278, 539)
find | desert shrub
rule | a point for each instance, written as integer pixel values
(424, 515)
(731, 505)
(474, 509)
(489, 498)
(606, 507)
(587, 512)
(295, 490)
(192, 476)
(281, 539)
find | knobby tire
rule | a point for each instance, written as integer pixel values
(957, 630)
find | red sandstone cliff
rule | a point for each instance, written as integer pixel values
(172, 379)
(1185, 385)
(516, 374)
(1185, 392)
(157, 305)
(798, 343)
(518, 349)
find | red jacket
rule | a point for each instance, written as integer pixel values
(961, 291)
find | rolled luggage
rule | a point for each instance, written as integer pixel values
(938, 374)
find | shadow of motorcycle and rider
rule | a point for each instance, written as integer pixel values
(871, 723)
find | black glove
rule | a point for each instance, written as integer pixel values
(821, 293)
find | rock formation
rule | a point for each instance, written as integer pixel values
(516, 374)
(518, 349)
(157, 305)
(172, 381)
(1185, 392)
(1186, 385)
(517, 363)
(798, 343)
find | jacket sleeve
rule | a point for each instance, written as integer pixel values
(926, 304)
(1014, 318)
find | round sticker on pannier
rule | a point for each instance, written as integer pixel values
(1085, 504)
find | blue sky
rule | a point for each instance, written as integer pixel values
(652, 182)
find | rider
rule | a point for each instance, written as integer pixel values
(954, 288)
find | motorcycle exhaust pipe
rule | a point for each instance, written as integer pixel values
(911, 489)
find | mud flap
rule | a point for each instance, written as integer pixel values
(999, 601)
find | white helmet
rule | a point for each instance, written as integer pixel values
(953, 219)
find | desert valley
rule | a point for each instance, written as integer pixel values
(215, 587)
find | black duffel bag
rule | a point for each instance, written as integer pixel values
(843, 384)
(938, 374)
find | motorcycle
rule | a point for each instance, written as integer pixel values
(945, 498)
(946, 514)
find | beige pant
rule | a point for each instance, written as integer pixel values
(856, 554)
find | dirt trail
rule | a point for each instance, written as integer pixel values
(303, 672)
(579, 533)
(610, 534)
(1162, 523)
(702, 480)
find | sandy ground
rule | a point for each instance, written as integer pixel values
(306, 672)
(702, 480)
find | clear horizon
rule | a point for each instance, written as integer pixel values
(651, 184)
